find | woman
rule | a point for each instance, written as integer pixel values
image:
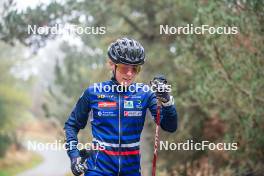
(117, 115)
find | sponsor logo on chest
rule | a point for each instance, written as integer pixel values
(107, 114)
(138, 104)
(101, 96)
(133, 113)
(128, 104)
(107, 104)
(133, 96)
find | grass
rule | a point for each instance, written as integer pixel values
(16, 167)
(69, 174)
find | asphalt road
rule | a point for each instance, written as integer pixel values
(55, 163)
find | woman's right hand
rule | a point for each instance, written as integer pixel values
(77, 167)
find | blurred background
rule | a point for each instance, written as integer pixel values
(217, 80)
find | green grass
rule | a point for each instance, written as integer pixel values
(18, 167)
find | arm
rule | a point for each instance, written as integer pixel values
(169, 117)
(76, 121)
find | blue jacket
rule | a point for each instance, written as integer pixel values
(117, 119)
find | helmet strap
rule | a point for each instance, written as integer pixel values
(114, 76)
(114, 72)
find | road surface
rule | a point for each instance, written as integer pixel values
(55, 163)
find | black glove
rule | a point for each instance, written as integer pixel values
(77, 167)
(160, 87)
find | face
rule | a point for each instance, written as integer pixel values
(126, 74)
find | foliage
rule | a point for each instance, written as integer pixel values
(13, 100)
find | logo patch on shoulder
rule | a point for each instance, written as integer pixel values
(128, 104)
(107, 104)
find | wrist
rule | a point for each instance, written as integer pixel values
(74, 153)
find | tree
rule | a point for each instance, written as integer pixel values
(14, 100)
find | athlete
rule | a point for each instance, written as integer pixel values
(117, 115)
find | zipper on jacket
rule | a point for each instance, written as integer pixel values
(119, 130)
(95, 162)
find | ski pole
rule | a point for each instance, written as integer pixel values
(156, 144)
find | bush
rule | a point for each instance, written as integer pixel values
(4, 144)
